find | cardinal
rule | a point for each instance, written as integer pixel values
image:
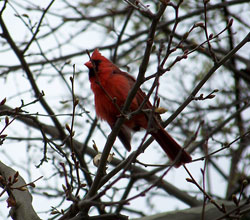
(111, 86)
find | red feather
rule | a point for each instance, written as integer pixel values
(109, 82)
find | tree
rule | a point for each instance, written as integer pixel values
(191, 56)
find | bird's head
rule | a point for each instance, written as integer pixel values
(98, 64)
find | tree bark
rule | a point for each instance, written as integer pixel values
(23, 208)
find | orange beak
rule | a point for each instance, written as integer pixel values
(88, 64)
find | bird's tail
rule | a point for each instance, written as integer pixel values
(171, 147)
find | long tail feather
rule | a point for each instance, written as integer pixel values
(171, 147)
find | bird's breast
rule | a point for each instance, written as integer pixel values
(110, 96)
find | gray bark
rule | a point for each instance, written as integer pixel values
(23, 208)
(211, 212)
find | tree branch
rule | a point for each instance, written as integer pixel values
(23, 208)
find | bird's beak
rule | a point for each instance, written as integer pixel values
(88, 64)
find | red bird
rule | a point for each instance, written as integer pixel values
(109, 83)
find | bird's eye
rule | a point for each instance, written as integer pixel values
(96, 62)
(93, 71)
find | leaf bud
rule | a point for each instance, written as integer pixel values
(96, 160)
(3, 101)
